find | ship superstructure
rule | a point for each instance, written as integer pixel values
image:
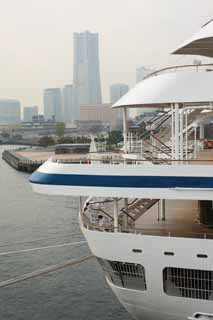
(148, 213)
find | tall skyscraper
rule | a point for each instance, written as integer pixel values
(53, 104)
(142, 72)
(86, 77)
(117, 90)
(29, 113)
(10, 111)
(71, 108)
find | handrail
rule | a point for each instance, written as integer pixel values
(152, 232)
(129, 160)
(175, 68)
(142, 231)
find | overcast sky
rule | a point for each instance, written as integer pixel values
(37, 45)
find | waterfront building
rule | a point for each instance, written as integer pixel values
(142, 72)
(86, 75)
(53, 104)
(10, 111)
(70, 108)
(98, 112)
(117, 91)
(39, 118)
(29, 113)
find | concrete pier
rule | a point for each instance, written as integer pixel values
(29, 159)
(19, 162)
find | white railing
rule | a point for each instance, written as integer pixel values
(201, 67)
(93, 209)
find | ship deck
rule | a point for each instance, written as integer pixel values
(181, 219)
(181, 216)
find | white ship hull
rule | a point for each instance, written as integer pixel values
(154, 303)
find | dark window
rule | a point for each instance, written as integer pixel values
(188, 283)
(137, 250)
(202, 256)
(125, 274)
(169, 253)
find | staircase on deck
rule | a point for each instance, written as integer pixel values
(136, 209)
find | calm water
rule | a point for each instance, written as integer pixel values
(77, 293)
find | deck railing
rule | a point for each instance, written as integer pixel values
(151, 232)
(109, 227)
(156, 161)
(208, 67)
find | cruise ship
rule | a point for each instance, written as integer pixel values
(147, 211)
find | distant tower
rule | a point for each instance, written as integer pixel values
(86, 77)
(142, 72)
(53, 104)
(10, 111)
(117, 91)
(71, 108)
(29, 113)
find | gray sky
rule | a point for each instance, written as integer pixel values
(37, 47)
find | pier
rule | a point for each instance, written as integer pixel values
(19, 162)
(27, 159)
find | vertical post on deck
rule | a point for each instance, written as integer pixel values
(181, 134)
(125, 129)
(131, 142)
(186, 133)
(177, 132)
(163, 209)
(195, 141)
(202, 135)
(125, 216)
(172, 133)
(115, 204)
(159, 211)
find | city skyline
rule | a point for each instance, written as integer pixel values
(37, 49)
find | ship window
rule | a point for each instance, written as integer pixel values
(169, 253)
(202, 256)
(125, 274)
(137, 250)
(188, 283)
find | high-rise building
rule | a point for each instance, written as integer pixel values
(142, 72)
(103, 113)
(86, 77)
(117, 91)
(53, 104)
(29, 113)
(10, 111)
(71, 108)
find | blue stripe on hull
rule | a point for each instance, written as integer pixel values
(120, 181)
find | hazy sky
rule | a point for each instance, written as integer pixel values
(37, 46)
